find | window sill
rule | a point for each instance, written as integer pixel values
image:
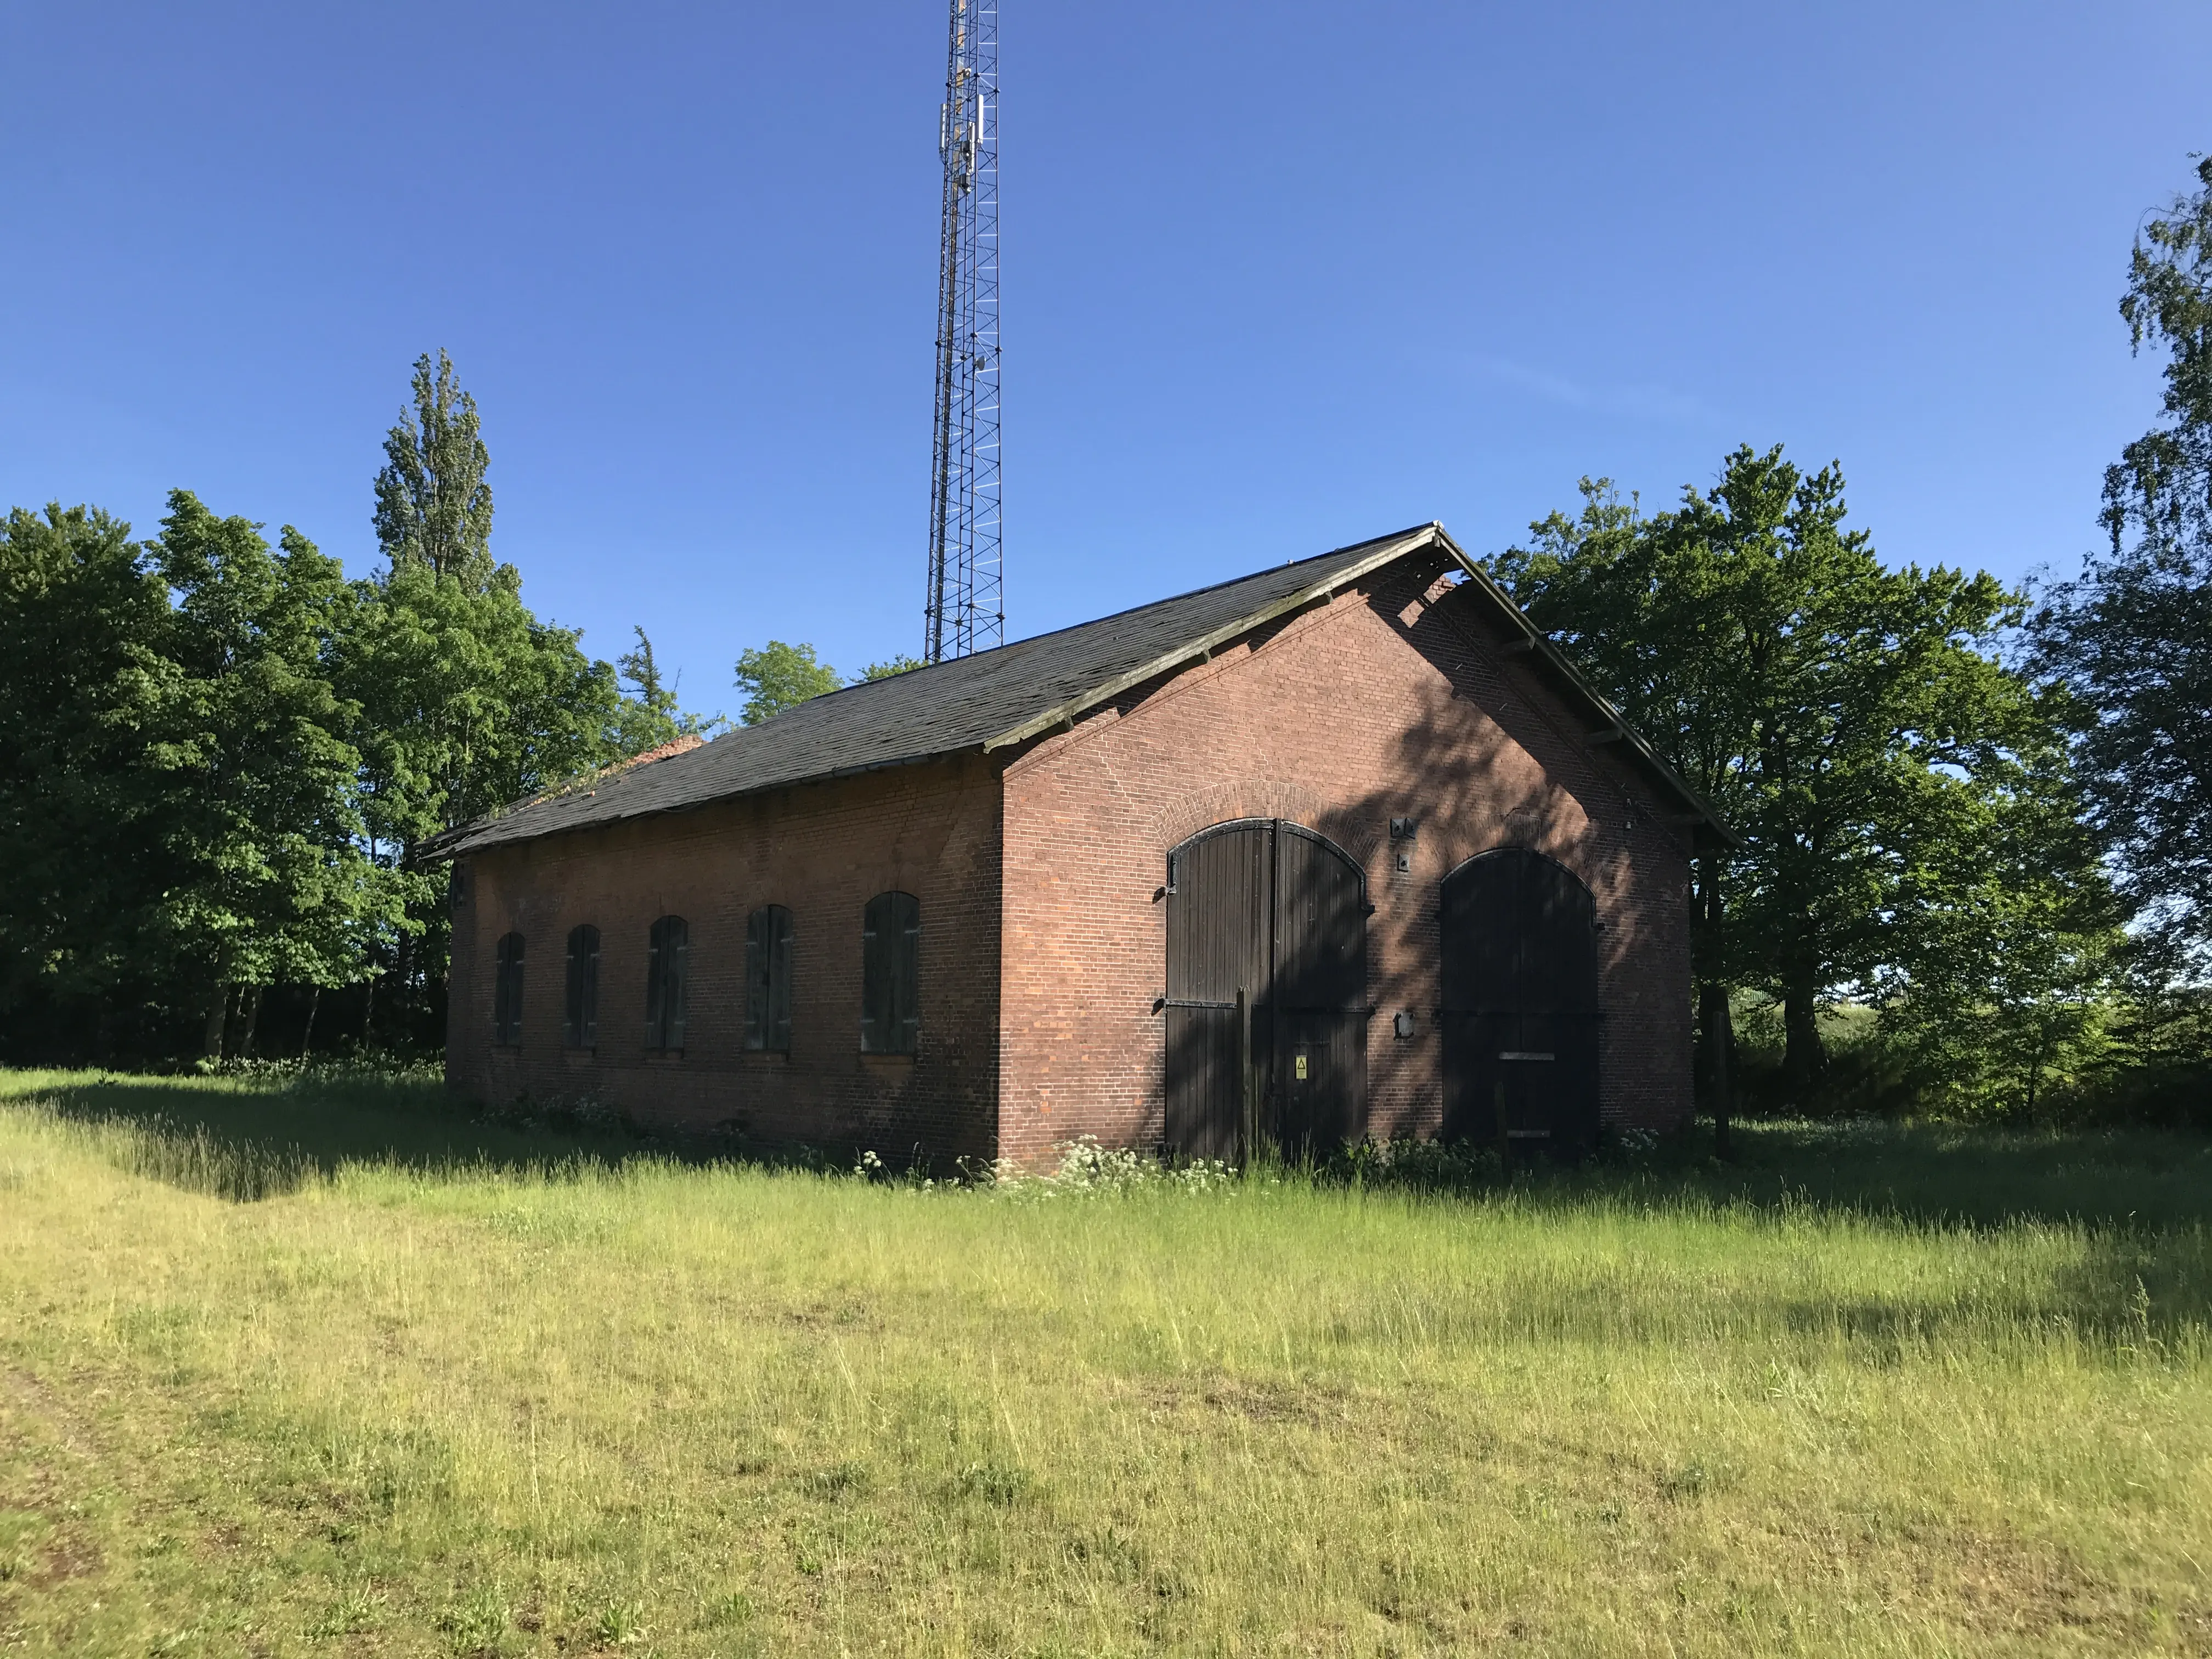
(580, 1056)
(894, 1064)
(775, 1057)
(664, 1056)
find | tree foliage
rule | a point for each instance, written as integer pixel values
(82, 678)
(469, 701)
(1855, 726)
(896, 666)
(268, 880)
(433, 505)
(776, 677)
(2131, 638)
(652, 713)
(219, 759)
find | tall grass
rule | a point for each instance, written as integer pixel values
(291, 1371)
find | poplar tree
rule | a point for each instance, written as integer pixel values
(433, 505)
(468, 701)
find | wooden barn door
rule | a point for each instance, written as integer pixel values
(1266, 980)
(1318, 1003)
(1520, 1003)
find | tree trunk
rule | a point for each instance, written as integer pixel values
(1804, 1058)
(314, 1001)
(217, 1016)
(252, 1000)
(1720, 1042)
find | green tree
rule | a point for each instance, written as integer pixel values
(432, 506)
(468, 701)
(2132, 637)
(896, 666)
(652, 716)
(82, 624)
(2001, 976)
(1850, 722)
(776, 677)
(268, 878)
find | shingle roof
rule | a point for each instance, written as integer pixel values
(988, 700)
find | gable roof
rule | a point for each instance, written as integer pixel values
(998, 698)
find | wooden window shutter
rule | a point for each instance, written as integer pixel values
(507, 991)
(891, 951)
(875, 980)
(677, 960)
(906, 1005)
(572, 1000)
(656, 1022)
(579, 1028)
(768, 979)
(759, 948)
(591, 990)
(778, 981)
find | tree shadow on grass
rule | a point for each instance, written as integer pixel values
(1926, 1174)
(1956, 1175)
(251, 1138)
(2140, 1279)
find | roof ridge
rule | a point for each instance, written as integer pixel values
(1020, 690)
(1128, 610)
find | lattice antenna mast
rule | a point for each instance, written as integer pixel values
(966, 607)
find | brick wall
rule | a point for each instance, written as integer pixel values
(1384, 703)
(822, 850)
(1380, 703)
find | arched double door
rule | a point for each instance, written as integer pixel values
(1520, 1005)
(1266, 992)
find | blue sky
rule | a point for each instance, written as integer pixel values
(1276, 278)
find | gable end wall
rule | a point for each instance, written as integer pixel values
(1386, 702)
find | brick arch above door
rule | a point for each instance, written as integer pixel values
(1263, 797)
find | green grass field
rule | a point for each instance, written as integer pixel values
(323, 1369)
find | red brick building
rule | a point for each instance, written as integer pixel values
(1342, 848)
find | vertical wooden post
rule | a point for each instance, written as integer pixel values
(1719, 1049)
(1247, 1113)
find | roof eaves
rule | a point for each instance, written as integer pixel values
(484, 832)
(1206, 644)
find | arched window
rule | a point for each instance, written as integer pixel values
(668, 949)
(507, 991)
(891, 975)
(579, 1028)
(767, 980)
